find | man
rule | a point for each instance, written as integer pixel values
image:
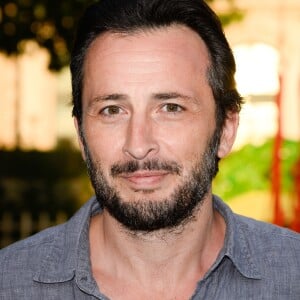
(155, 108)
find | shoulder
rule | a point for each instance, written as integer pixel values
(261, 234)
(275, 248)
(33, 242)
(27, 253)
(266, 231)
(271, 251)
(49, 254)
(34, 248)
(20, 262)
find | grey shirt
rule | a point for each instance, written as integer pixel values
(258, 261)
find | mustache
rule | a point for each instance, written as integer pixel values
(149, 165)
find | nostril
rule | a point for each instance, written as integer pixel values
(139, 153)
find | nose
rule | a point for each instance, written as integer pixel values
(140, 140)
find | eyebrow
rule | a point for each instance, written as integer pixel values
(171, 95)
(107, 97)
(155, 96)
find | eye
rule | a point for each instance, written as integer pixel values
(172, 107)
(111, 110)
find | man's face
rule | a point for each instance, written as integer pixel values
(148, 125)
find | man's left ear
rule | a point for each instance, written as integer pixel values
(228, 134)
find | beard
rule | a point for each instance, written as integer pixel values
(151, 215)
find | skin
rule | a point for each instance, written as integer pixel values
(146, 96)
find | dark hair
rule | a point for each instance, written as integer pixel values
(126, 16)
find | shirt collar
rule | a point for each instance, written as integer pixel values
(236, 247)
(63, 254)
(69, 250)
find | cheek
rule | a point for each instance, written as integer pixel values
(104, 145)
(184, 143)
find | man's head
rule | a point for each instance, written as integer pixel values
(155, 107)
(137, 15)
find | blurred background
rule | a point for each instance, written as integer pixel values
(43, 180)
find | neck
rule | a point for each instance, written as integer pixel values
(186, 252)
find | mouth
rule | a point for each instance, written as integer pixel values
(145, 179)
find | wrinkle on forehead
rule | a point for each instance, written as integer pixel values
(167, 59)
(120, 44)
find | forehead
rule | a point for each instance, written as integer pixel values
(140, 64)
(172, 42)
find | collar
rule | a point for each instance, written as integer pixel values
(68, 251)
(237, 247)
(66, 247)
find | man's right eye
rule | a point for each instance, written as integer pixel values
(110, 110)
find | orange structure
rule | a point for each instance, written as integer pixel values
(276, 167)
(295, 225)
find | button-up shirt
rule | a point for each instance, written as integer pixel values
(257, 261)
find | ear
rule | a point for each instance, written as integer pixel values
(228, 134)
(79, 138)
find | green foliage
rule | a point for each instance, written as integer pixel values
(51, 23)
(233, 14)
(250, 169)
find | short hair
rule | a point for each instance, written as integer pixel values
(129, 16)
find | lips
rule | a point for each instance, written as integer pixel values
(145, 179)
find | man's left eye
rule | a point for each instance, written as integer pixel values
(172, 107)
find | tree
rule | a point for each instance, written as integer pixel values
(51, 23)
